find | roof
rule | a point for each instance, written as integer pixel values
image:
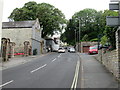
(18, 24)
(88, 43)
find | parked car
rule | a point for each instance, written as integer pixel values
(61, 50)
(93, 50)
(72, 50)
(68, 49)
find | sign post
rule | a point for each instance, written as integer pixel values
(113, 20)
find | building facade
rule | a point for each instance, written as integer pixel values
(84, 47)
(26, 36)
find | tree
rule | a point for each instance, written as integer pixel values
(104, 40)
(85, 38)
(69, 34)
(109, 32)
(51, 18)
(93, 25)
(88, 25)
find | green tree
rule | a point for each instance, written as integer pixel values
(69, 34)
(92, 24)
(51, 18)
(109, 32)
(88, 25)
(104, 40)
(85, 37)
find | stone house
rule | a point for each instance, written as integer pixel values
(26, 36)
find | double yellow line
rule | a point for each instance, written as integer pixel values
(75, 80)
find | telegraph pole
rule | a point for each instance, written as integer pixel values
(79, 37)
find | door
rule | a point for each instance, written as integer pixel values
(86, 49)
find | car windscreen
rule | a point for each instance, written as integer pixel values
(93, 47)
(72, 49)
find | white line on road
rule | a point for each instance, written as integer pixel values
(59, 55)
(74, 79)
(38, 68)
(53, 60)
(74, 84)
(6, 83)
(78, 64)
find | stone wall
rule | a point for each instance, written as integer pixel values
(118, 48)
(19, 36)
(111, 59)
(36, 38)
(118, 42)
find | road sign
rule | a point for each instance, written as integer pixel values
(112, 21)
(114, 0)
(114, 6)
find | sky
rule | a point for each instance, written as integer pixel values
(68, 7)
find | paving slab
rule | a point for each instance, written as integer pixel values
(95, 75)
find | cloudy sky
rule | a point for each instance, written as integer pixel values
(68, 7)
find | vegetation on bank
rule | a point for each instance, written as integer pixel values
(92, 26)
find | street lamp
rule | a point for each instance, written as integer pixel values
(75, 36)
(78, 35)
(79, 45)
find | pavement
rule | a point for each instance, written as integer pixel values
(17, 61)
(95, 75)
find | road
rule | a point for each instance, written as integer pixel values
(55, 70)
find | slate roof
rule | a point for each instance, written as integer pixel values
(18, 24)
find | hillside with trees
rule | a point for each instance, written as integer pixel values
(92, 27)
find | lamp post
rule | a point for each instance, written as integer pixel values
(79, 43)
(75, 36)
(78, 35)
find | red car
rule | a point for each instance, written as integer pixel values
(93, 50)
